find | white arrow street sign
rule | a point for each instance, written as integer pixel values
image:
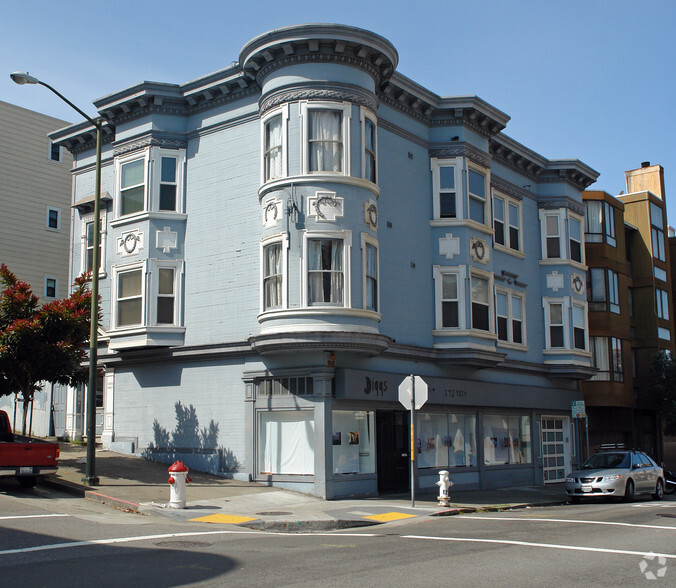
(406, 392)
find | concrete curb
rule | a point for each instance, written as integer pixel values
(113, 502)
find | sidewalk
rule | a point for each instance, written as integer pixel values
(137, 485)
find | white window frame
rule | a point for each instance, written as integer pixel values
(49, 153)
(156, 155)
(50, 209)
(284, 244)
(435, 167)
(461, 276)
(585, 326)
(560, 215)
(121, 161)
(368, 241)
(475, 273)
(56, 287)
(346, 237)
(365, 115)
(486, 173)
(346, 110)
(283, 111)
(89, 219)
(153, 284)
(580, 220)
(121, 269)
(511, 296)
(508, 246)
(547, 303)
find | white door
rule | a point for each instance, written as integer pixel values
(553, 449)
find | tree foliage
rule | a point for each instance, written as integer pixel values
(664, 389)
(41, 343)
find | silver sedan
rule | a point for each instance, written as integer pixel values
(621, 473)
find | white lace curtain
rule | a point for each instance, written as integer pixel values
(325, 141)
(325, 275)
(273, 276)
(273, 148)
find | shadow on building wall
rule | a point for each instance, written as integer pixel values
(197, 448)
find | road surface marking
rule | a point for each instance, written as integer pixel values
(42, 516)
(222, 518)
(543, 545)
(390, 516)
(115, 540)
(476, 518)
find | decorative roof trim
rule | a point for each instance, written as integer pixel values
(562, 202)
(461, 150)
(509, 189)
(151, 141)
(309, 91)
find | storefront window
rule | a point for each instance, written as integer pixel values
(353, 446)
(507, 439)
(286, 441)
(446, 440)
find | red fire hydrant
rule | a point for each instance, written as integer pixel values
(178, 479)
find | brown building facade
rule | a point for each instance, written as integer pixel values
(629, 288)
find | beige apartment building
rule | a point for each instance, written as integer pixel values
(35, 188)
(35, 225)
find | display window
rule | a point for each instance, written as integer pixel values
(286, 441)
(446, 440)
(507, 439)
(353, 442)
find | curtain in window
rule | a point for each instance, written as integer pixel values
(325, 276)
(272, 272)
(325, 141)
(593, 218)
(371, 278)
(273, 148)
(600, 358)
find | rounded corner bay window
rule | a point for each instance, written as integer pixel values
(325, 271)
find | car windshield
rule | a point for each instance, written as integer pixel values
(606, 461)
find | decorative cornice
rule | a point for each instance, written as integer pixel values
(562, 202)
(510, 189)
(331, 92)
(146, 142)
(461, 150)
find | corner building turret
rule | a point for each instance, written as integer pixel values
(319, 185)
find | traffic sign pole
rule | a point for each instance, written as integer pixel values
(413, 423)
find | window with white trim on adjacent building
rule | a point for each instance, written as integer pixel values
(53, 220)
(50, 287)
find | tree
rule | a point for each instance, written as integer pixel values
(664, 389)
(41, 343)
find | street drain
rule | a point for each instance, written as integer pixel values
(273, 513)
(182, 544)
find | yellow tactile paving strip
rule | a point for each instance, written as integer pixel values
(221, 518)
(390, 516)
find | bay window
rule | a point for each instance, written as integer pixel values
(272, 276)
(129, 299)
(325, 140)
(477, 195)
(509, 316)
(603, 291)
(449, 298)
(575, 239)
(481, 306)
(555, 325)
(369, 142)
(607, 359)
(662, 304)
(609, 223)
(370, 263)
(325, 277)
(168, 183)
(132, 187)
(444, 184)
(273, 149)
(579, 327)
(657, 232)
(166, 296)
(552, 236)
(507, 222)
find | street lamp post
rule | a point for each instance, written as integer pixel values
(90, 478)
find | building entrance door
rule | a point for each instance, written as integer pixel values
(392, 440)
(553, 450)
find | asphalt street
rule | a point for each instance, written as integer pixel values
(54, 539)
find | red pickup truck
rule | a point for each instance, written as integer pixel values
(26, 458)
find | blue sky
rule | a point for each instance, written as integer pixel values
(587, 79)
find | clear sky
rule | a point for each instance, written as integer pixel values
(588, 79)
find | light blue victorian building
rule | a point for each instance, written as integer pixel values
(284, 240)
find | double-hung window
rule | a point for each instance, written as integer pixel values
(552, 229)
(326, 278)
(507, 222)
(449, 285)
(657, 231)
(575, 239)
(53, 221)
(272, 276)
(369, 152)
(132, 186)
(477, 195)
(509, 314)
(273, 162)
(50, 287)
(326, 139)
(444, 182)
(87, 250)
(609, 223)
(129, 299)
(168, 183)
(370, 261)
(555, 334)
(579, 327)
(166, 296)
(481, 302)
(607, 359)
(662, 304)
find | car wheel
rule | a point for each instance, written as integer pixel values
(659, 490)
(629, 491)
